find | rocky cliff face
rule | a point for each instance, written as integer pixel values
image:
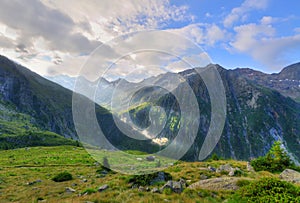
(257, 115)
(287, 82)
(48, 104)
(36, 103)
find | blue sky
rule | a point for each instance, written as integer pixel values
(56, 37)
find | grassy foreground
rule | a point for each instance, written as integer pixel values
(26, 176)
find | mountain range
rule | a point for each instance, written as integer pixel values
(261, 108)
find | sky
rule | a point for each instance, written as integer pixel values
(53, 37)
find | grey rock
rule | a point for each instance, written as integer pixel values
(102, 188)
(70, 190)
(175, 186)
(161, 177)
(142, 189)
(155, 190)
(226, 168)
(150, 158)
(290, 176)
(211, 168)
(222, 183)
(232, 172)
(203, 177)
(249, 167)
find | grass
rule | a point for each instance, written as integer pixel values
(22, 166)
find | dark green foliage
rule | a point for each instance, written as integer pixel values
(276, 160)
(146, 179)
(215, 157)
(268, 190)
(243, 182)
(64, 176)
(33, 138)
(89, 191)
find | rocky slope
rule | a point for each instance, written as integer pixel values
(257, 112)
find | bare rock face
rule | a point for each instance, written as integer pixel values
(223, 183)
(290, 176)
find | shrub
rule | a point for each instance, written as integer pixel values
(243, 182)
(64, 176)
(215, 157)
(268, 190)
(89, 191)
(146, 179)
(276, 160)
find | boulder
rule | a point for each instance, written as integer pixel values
(290, 176)
(150, 158)
(175, 186)
(102, 188)
(155, 190)
(224, 168)
(222, 183)
(203, 177)
(161, 177)
(70, 190)
(211, 168)
(249, 167)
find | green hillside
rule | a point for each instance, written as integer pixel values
(26, 176)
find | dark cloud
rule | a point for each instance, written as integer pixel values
(33, 19)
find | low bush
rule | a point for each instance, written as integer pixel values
(268, 190)
(146, 179)
(64, 176)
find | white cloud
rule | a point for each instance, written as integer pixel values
(260, 42)
(214, 34)
(240, 13)
(266, 20)
(65, 29)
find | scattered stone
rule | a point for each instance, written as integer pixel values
(232, 172)
(142, 189)
(203, 177)
(175, 186)
(249, 167)
(84, 180)
(74, 184)
(188, 181)
(224, 168)
(34, 182)
(290, 176)
(102, 188)
(150, 158)
(139, 159)
(70, 190)
(161, 177)
(97, 164)
(211, 168)
(155, 190)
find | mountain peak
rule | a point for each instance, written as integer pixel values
(291, 72)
